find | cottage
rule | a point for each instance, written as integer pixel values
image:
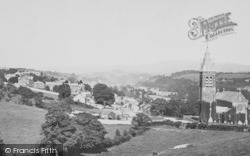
(39, 85)
(229, 106)
(25, 81)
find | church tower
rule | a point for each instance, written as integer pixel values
(207, 79)
(207, 88)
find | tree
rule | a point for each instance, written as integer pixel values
(39, 101)
(13, 80)
(2, 76)
(141, 119)
(56, 88)
(64, 91)
(47, 88)
(87, 87)
(8, 90)
(80, 133)
(26, 92)
(103, 94)
(163, 107)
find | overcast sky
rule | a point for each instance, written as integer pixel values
(60, 34)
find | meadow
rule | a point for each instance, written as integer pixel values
(163, 139)
(20, 124)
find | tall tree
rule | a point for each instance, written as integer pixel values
(87, 87)
(64, 91)
(78, 133)
(103, 94)
(13, 80)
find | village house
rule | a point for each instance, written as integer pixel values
(226, 101)
(77, 88)
(8, 76)
(38, 84)
(24, 81)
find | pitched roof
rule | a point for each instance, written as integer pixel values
(207, 63)
(228, 96)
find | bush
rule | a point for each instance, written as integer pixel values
(202, 126)
(141, 119)
(26, 101)
(191, 125)
(48, 98)
(26, 92)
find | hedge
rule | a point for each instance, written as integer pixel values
(203, 126)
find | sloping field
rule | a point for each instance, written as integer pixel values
(163, 139)
(233, 75)
(20, 124)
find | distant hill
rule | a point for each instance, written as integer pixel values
(116, 77)
(194, 75)
(168, 67)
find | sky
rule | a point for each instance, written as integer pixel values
(97, 34)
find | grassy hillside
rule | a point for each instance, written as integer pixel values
(20, 124)
(163, 139)
(195, 76)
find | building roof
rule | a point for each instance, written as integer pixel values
(229, 96)
(207, 63)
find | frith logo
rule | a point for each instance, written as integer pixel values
(211, 28)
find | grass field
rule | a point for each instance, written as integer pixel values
(20, 124)
(163, 139)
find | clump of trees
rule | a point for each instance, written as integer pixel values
(103, 94)
(7, 91)
(43, 78)
(79, 133)
(64, 91)
(141, 119)
(13, 80)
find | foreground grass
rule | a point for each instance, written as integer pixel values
(163, 139)
(20, 124)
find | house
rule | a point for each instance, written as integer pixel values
(8, 76)
(229, 104)
(38, 84)
(82, 97)
(145, 108)
(77, 88)
(24, 81)
(247, 88)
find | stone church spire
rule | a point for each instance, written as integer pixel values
(207, 63)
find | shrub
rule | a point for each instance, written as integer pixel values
(191, 125)
(26, 92)
(177, 124)
(141, 119)
(202, 126)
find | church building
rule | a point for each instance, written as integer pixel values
(226, 107)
